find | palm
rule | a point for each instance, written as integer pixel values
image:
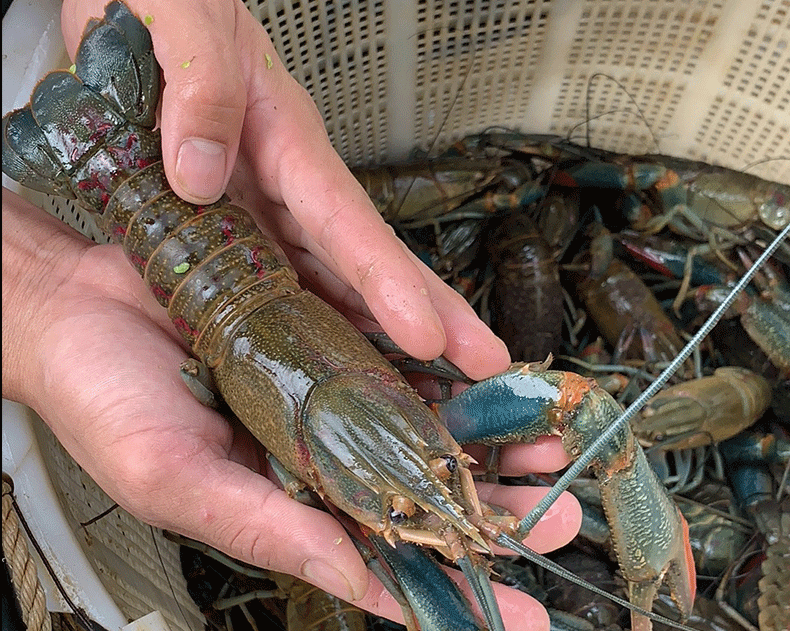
(114, 364)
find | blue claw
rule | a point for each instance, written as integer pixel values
(435, 600)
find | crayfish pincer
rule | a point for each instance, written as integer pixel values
(330, 409)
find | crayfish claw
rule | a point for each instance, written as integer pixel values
(681, 574)
(433, 598)
(645, 567)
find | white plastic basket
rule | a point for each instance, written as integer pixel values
(699, 79)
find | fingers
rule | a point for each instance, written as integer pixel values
(243, 514)
(545, 455)
(341, 222)
(471, 345)
(221, 70)
(204, 98)
(558, 526)
(520, 612)
(124, 414)
(238, 511)
(342, 228)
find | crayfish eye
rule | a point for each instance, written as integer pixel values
(444, 466)
(397, 517)
(401, 509)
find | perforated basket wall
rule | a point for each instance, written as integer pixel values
(700, 79)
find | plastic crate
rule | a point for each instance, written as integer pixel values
(699, 79)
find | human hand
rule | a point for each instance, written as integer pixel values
(289, 176)
(87, 346)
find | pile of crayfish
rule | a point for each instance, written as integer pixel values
(609, 262)
(340, 419)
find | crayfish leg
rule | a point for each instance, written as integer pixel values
(293, 486)
(197, 377)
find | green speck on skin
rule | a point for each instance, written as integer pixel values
(181, 268)
(269, 62)
(149, 20)
(185, 65)
(73, 68)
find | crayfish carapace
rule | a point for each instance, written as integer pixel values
(327, 405)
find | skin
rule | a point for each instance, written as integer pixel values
(89, 349)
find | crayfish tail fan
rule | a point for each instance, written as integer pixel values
(116, 59)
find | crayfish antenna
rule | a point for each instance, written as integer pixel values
(479, 580)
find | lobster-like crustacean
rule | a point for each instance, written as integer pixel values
(325, 403)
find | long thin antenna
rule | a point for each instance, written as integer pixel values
(631, 98)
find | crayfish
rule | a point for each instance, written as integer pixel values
(329, 408)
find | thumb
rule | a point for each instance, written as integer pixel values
(204, 99)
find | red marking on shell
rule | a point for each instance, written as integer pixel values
(183, 327)
(226, 226)
(260, 269)
(98, 181)
(126, 156)
(669, 180)
(159, 292)
(101, 128)
(92, 184)
(562, 178)
(692, 575)
(144, 162)
(138, 260)
(303, 456)
(648, 258)
(573, 389)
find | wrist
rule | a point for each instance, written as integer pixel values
(40, 255)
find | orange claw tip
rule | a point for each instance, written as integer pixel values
(573, 390)
(683, 580)
(691, 573)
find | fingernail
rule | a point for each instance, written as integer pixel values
(200, 167)
(328, 578)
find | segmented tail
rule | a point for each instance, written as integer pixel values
(86, 131)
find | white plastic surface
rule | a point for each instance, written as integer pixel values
(701, 79)
(154, 621)
(44, 514)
